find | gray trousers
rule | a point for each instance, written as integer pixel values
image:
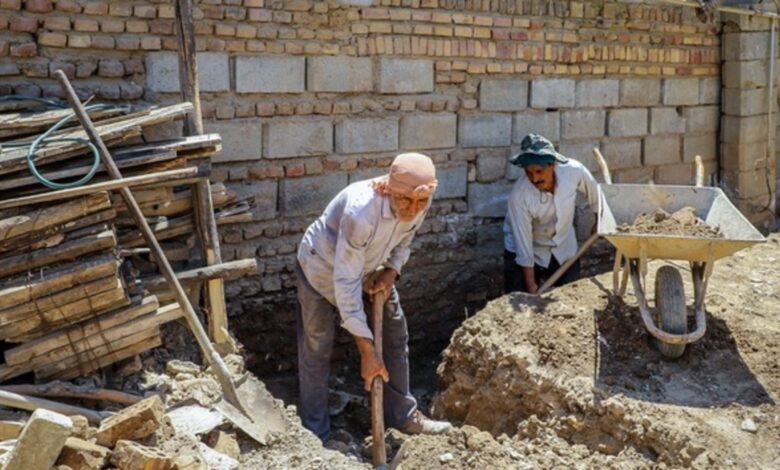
(317, 322)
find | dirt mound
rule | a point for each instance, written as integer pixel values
(683, 223)
(573, 379)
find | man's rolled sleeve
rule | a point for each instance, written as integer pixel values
(348, 276)
(520, 221)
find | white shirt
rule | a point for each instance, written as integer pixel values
(539, 224)
(356, 234)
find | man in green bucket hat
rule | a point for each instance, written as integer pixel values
(539, 233)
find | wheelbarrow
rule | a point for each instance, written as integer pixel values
(622, 203)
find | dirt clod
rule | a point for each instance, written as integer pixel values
(682, 223)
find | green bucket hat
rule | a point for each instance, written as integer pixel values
(536, 150)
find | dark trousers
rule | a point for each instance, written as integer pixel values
(514, 280)
(317, 323)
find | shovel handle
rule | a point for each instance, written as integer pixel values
(378, 452)
(565, 266)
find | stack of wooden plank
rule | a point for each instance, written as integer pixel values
(73, 265)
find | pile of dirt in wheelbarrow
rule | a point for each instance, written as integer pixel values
(682, 223)
(572, 380)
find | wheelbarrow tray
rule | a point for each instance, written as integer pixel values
(622, 203)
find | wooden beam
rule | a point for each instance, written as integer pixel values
(23, 402)
(69, 390)
(46, 217)
(110, 358)
(154, 178)
(230, 270)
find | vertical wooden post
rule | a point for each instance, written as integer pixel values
(202, 202)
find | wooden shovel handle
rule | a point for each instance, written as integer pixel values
(378, 452)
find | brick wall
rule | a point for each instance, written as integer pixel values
(310, 96)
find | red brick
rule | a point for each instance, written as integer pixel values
(145, 11)
(35, 70)
(11, 4)
(38, 6)
(170, 44)
(235, 13)
(25, 49)
(90, 26)
(131, 91)
(79, 41)
(234, 46)
(128, 43)
(254, 3)
(292, 171)
(68, 69)
(24, 24)
(245, 110)
(285, 109)
(137, 26)
(111, 68)
(121, 9)
(215, 45)
(4, 48)
(151, 43)
(8, 69)
(103, 42)
(265, 109)
(213, 13)
(255, 46)
(256, 14)
(68, 6)
(282, 17)
(57, 23)
(133, 66)
(52, 39)
(112, 26)
(203, 29)
(3, 22)
(162, 27)
(224, 30)
(225, 111)
(85, 69)
(96, 8)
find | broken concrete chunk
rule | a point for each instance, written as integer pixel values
(79, 454)
(225, 443)
(81, 428)
(129, 455)
(217, 460)
(190, 462)
(10, 429)
(195, 419)
(134, 422)
(40, 442)
(175, 367)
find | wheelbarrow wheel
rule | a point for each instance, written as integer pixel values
(670, 308)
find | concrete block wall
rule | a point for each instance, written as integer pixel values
(311, 96)
(749, 108)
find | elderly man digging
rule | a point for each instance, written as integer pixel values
(364, 234)
(539, 235)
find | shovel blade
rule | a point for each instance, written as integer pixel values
(263, 418)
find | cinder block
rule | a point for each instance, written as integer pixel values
(662, 150)
(428, 131)
(40, 442)
(680, 173)
(491, 166)
(628, 122)
(485, 130)
(302, 196)
(544, 123)
(743, 130)
(582, 152)
(749, 184)
(264, 195)
(583, 124)
(621, 154)
(367, 135)
(702, 119)
(744, 157)
(367, 174)
(666, 121)
(162, 71)
(641, 175)
(339, 74)
(213, 71)
(745, 74)
(553, 93)
(745, 46)
(453, 182)
(640, 91)
(398, 76)
(597, 93)
(270, 74)
(503, 95)
(241, 139)
(681, 91)
(734, 22)
(738, 102)
(709, 90)
(134, 422)
(488, 200)
(705, 146)
(283, 139)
